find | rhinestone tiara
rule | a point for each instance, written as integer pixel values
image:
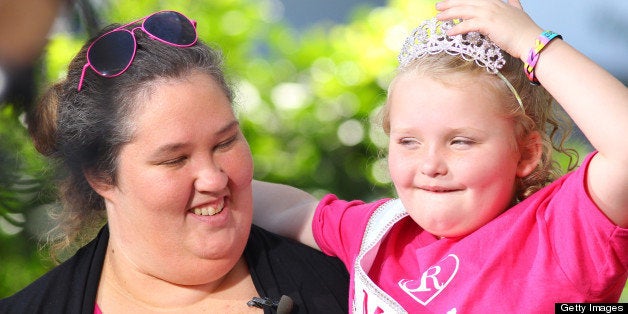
(430, 38)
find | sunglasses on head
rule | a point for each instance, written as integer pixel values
(112, 53)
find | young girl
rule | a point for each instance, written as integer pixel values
(479, 225)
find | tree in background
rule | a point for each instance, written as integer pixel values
(308, 104)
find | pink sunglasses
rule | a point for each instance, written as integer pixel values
(112, 53)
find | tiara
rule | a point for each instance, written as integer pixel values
(430, 38)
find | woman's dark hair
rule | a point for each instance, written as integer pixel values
(84, 130)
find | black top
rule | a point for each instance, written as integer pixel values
(315, 282)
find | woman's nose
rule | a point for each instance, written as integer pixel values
(211, 178)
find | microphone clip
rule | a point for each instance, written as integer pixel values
(262, 302)
(284, 305)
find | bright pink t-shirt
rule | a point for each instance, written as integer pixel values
(554, 247)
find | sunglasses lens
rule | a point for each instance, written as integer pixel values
(111, 54)
(171, 27)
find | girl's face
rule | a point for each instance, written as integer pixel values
(453, 155)
(181, 209)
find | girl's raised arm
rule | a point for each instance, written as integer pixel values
(598, 104)
(284, 210)
(595, 100)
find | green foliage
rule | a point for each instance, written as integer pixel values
(23, 186)
(23, 175)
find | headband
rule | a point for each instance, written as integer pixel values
(430, 38)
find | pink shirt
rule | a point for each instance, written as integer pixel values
(555, 246)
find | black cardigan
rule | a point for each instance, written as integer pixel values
(278, 266)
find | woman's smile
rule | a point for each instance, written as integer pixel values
(209, 209)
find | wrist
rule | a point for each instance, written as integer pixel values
(527, 41)
(531, 58)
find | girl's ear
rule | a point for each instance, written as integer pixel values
(531, 149)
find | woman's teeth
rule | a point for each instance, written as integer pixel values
(208, 210)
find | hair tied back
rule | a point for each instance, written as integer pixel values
(42, 121)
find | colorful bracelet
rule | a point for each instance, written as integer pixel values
(533, 56)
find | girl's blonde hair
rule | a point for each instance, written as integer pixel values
(541, 112)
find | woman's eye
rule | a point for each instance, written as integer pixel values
(175, 161)
(227, 143)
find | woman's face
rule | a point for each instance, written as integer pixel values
(181, 208)
(453, 154)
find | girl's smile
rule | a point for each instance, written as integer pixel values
(453, 155)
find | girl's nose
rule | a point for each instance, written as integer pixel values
(433, 163)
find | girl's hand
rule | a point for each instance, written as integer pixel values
(506, 24)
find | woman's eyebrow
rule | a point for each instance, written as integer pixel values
(173, 147)
(229, 127)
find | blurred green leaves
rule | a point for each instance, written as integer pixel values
(24, 181)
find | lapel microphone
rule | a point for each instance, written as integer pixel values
(283, 306)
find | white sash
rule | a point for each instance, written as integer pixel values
(369, 298)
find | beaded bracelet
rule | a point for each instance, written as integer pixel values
(533, 56)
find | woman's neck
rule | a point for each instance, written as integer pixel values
(124, 286)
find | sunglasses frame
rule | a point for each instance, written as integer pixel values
(141, 27)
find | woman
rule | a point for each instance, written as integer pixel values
(144, 127)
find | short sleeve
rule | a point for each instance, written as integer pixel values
(338, 226)
(585, 242)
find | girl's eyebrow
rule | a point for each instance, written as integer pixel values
(173, 147)
(466, 129)
(448, 131)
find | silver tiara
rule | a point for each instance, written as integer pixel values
(430, 38)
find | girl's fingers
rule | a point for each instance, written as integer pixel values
(459, 12)
(505, 23)
(516, 4)
(463, 27)
(474, 18)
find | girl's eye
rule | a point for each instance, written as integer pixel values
(408, 142)
(462, 141)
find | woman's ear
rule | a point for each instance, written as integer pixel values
(531, 149)
(101, 185)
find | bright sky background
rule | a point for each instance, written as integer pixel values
(597, 28)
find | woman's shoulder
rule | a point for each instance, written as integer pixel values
(64, 288)
(45, 294)
(288, 251)
(317, 283)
